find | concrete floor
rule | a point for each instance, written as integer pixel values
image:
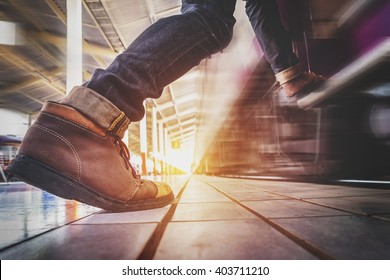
(211, 218)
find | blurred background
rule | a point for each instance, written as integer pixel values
(226, 116)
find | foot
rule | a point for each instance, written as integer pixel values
(68, 155)
(302, 85)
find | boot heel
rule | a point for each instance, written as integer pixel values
(39, 175)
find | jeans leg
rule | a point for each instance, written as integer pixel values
(273, 38)
(164, 52)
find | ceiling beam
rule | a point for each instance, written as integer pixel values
(42, 51)
(109, 38)
(185, 136)
(94, 51)
(25, 66)
(187, 122)
(31, 98)
(16, 106)
(61, 42)
(183, 131)
(187, 98)
(182, 114)
(27, 14)
(18, 87)
(57, 10)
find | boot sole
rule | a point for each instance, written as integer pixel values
(48, 179)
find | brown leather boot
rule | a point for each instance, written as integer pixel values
(296, 83)
(68, 155)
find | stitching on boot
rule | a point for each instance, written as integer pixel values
(75, 124)
(66, 141)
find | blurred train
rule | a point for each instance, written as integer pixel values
(9, 146)
(344, 131)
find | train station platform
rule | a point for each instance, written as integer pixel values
(211, 218)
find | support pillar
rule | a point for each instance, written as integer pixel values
(143, 144)
(161, 145)
(74, 56)
(166, 151)
(154, 140)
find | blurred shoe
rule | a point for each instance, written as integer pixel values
(297, 84)
(68, 155)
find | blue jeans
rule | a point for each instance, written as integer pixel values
(172, 46)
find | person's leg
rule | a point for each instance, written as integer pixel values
(163, 53)
(74, 149)
(271, 34)
(277, 47)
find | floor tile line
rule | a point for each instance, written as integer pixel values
(309, 217)
(309, 200)
(366, 215)
(206, 202)
(211, 220)
(11, 246)
(152, 244)
(318, 252)
(336, 208)
(109, 224)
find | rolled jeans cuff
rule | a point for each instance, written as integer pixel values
(98, 109)
(288, 74)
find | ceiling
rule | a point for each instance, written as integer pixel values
(191, 109)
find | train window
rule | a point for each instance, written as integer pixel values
(380, 120)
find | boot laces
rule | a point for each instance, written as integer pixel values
(125, 155)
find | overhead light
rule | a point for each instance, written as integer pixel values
(11, 33)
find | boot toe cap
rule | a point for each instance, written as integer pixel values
(163, 189)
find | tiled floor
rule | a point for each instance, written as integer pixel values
(211, 218)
